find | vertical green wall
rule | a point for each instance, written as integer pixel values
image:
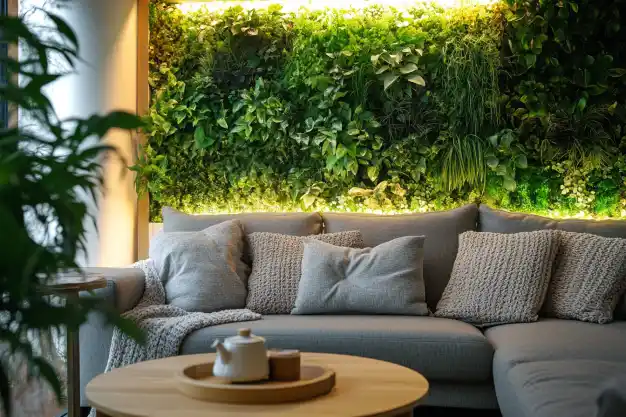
(517, 104)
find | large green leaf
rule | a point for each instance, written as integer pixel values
(509, 183)
(417, 79)
(521, 161)
(388, 80)
(382, 69)
(408, 68)
(222, 122)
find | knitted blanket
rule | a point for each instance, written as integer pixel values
(165, 326)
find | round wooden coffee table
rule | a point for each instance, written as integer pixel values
(364, 387)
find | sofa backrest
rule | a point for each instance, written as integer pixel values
(441, 229)
(295, 224)
(498, 221)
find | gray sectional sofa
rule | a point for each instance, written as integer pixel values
(551, 368)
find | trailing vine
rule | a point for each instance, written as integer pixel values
(518, 104)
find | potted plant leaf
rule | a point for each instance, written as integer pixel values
(46, 170)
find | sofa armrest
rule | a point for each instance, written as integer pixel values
(128, 283)
(124, 288)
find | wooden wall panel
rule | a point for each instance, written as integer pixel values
(143, 103)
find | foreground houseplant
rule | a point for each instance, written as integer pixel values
(49, 170)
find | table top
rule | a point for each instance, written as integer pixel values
(74, 282)
(364, 387)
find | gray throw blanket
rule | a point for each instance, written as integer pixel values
(165, 326)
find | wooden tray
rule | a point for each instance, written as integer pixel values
(197, 381)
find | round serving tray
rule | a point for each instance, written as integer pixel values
(197, 381)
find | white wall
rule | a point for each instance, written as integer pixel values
(105, 81)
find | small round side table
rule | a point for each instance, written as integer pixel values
(68, 285)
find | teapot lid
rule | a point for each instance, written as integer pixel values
(244, 337)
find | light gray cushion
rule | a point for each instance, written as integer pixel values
(563, 388)
(589, 279)
(499, 278)
(441, 230)
(276, 268)
(440, 349)
(202, 271)
(296, 224)
(386, 279)
(498, 221)
(556, 339)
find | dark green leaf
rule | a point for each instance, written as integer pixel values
(509, 183)
(5, 391)
(617, 72)
(64, 29)
(521, 161)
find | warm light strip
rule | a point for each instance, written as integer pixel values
(295, 5)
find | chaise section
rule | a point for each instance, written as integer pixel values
(568, 388)
(124, 288)
(440, 349)
(555, 368)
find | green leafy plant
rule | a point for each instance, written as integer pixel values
(505, 157)
(267, 110)
(44, 170)
(402, 64)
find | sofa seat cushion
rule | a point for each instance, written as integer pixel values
(555, 339)
(440, 349)
(568, 388)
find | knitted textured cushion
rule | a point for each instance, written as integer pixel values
(276, 265)
(590, 277)
(499, 278)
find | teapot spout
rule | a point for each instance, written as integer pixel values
(222, 352)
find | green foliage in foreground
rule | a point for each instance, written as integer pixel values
(519, 105)
(49, 168)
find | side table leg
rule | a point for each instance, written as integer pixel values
(73, 375)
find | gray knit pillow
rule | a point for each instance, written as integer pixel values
(276, 264)
(499, 278)
(590, 277)
(386, 279)
(202, 271)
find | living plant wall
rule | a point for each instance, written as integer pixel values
(519, 104)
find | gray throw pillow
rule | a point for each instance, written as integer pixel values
(202, 271)
(499, 278)
(590, 277)
(386, 279)
(276, 265)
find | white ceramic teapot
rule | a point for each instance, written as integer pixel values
(241, 358)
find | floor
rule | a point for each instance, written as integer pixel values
(420, 412)
(454, 412)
